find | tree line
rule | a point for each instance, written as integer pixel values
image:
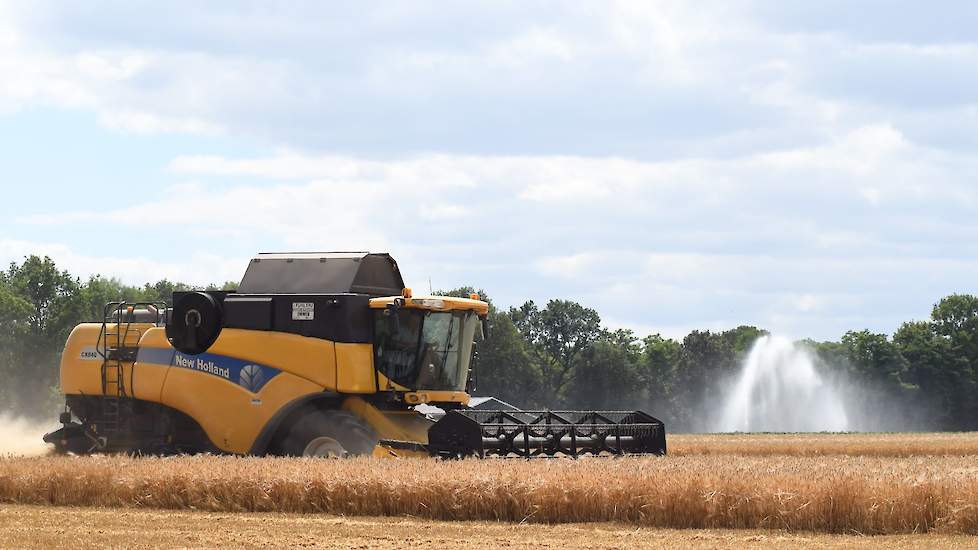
(923, 377)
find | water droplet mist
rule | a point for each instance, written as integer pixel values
(780, 390)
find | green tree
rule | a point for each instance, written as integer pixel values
(557, 336)
(227, 285)
(927, 356)
(707, 363)
(955, 320)
(873, 358)
(14, 330)
(657, 372)
(743, 338)
(43, 304)
(161, 291)
(506, 369)
(879, 397)
(99, 291)
(704, 359)
(607, 374)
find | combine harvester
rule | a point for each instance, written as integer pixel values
(320, 354)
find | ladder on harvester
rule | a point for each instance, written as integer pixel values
(118, 346)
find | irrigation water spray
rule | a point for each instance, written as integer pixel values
(780, 390)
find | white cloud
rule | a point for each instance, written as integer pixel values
(808, 302)
(441, 212)
(637, 77)
(103, 67)
(673, 165)
(197, 268)
(562, 190)
(794, 196)
(871, 194)
(148, 123)
(570, 266)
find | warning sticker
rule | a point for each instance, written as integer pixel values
(303, 311)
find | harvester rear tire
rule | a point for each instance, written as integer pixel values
(354, 436)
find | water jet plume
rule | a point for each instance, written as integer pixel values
(779, 389)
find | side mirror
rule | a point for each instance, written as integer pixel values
(485, 328)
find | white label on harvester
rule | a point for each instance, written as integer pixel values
(303, 311)
(88, 353)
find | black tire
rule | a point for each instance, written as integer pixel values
(355, 436)
(70, 439)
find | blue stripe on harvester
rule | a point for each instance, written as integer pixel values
(248, 375)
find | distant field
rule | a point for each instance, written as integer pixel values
(53, 527)
(891, 484)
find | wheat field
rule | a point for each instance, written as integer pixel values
(875, 493)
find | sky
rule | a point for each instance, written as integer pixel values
(805, 167)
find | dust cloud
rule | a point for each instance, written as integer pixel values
(21, 437)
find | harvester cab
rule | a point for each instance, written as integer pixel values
(318, 354)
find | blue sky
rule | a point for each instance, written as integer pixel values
(804, 167)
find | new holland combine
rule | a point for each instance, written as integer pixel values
(315, 354)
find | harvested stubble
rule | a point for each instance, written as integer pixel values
(819, 444)
(43, 527)
(827, 494)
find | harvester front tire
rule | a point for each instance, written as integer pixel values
(338, 433)
(76, 446)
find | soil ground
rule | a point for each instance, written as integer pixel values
(68, 527)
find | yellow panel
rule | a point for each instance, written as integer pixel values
(154, 337)
(310, 358)
(399, 425)
(355, 368)
(145, 380)
(231, 416)
(149, 378)
(434, 303)
(81, 365)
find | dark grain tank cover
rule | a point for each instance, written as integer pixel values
(322, 272)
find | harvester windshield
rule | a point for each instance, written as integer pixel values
(425, 350)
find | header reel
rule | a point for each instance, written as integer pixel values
(530, 434)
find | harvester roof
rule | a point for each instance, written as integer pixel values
(375, 274)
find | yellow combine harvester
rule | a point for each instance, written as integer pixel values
(315, 354)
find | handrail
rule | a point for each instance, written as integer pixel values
(119, 312)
